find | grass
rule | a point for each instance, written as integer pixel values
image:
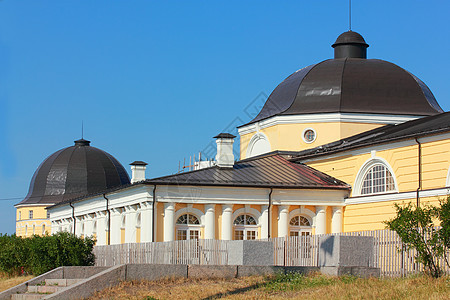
(283, 286)
(7, 282)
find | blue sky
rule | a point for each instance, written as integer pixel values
(156, 80)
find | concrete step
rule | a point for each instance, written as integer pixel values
(61, 282)
(44, 289)
(27, 296)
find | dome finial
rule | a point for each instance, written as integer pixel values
(350, 44)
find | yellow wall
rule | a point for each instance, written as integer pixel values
(289, 136)
(38, 221)
(404, 163)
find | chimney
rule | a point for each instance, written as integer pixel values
(138, 171)
(225, 156)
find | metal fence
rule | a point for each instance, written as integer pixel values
(390, 254)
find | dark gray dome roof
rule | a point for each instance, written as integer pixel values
(351, 84)
(73, 172)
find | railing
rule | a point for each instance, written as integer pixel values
(391, 255)
(202, 252)
(296, 251)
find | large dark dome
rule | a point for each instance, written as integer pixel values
(74, 172)
(350, 83)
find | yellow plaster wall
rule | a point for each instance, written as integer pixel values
(138, 235)
(289, 136)
(122, 235)
(218, 220)
(404, 163)
(39, 219)
(160, 222)
(370, 216)
(274, 218)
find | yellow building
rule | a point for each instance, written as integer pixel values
(334, 147)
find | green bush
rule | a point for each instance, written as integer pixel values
(39, 254)
(416, 228)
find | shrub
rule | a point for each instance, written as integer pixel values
(39, 254)
(416, 228)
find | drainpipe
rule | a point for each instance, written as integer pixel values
(419, 154)
(73, 217)
(270, 210)
(109, 219)
(154, 213)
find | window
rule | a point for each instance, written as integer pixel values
(299, 226)
(30, 214)
(34, 229)
(20, 215)
(48, 215)
(188, 227)
(378, 179)
(26, 229)
(245, 228)
(43, 229)
(309, 135)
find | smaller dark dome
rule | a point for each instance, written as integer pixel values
(73, 172)
(350, 37)
(350, 44)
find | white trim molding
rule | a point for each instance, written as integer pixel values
(311, 216)
(327, 118)
(398, 196)
(261, 138)
(247, 211)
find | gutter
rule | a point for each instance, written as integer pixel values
(109, 219)
(74, 219)
(154, 212)
(419, 156)
(270, 210)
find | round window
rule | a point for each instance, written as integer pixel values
(309, 135)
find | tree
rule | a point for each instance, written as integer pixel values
(416, 227)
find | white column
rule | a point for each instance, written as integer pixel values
(336, 220)
(283, 219)
(130, 225)
(169, 221)
(227, 222)
(88, 223)
(116, 224)
(78, 227)
(264, 221)
(101, 228)
(146, 222)
(210, 217)
(321, 219)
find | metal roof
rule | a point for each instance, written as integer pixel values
(411, 129)
(74, 172)
(267, 171)
(350, 85)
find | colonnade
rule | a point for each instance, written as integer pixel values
(134, 223)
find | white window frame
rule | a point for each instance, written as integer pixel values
(300, 229)
(246, 228)
(368, 165)
(303, 135)
(188, 227)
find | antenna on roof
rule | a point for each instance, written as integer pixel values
(82, 129)
(349, 15)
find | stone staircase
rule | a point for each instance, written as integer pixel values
(44, 289)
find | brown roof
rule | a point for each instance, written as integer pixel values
(266, 171)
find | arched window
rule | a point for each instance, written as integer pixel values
(245, 228)
(299, 226)
(188, 227)
(378, 179)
